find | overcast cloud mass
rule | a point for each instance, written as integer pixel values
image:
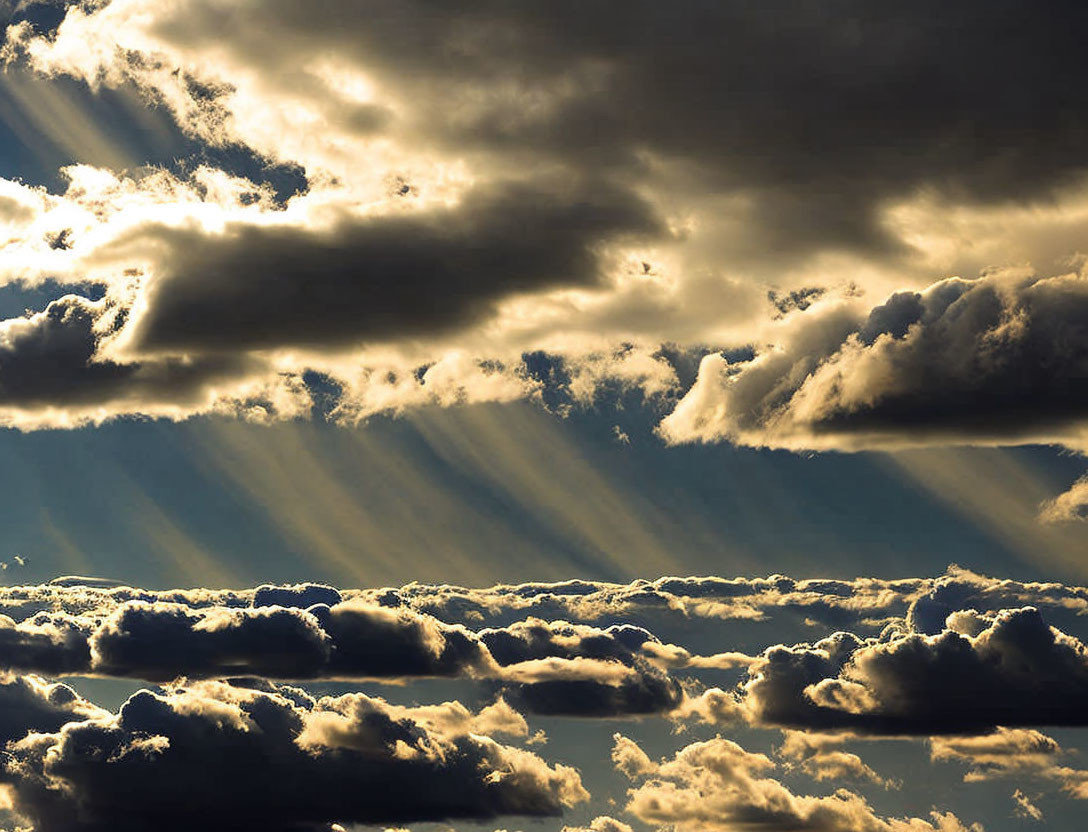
(562, 416)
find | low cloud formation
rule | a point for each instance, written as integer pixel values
(997, 360)
(555, 668)
(272, 759)
(717, 785)
(577, 670)
(974, 683)
(162, 641)
(1008, 669)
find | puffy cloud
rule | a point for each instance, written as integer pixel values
(31, 704)
(1014, 671)
(718, 785)
(52, 643)
(353, 639)
(713, 706)
(165, 641)
(1069, 506)
(988, 361)
(273, 759)
(296, 595)
(574, 669)
(553, 668)
(591, 687)
(52, 372)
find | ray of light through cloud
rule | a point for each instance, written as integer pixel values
(611, 417)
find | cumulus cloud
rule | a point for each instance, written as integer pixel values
(273, 759)
(555, 668)
(52, 373)
(718, 785)
(602, 823)
(515, 84)
(352, 639)
(1014, 671)
(995, 360)
(1069, 506)
(31, 704)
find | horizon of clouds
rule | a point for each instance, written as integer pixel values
(833, 697)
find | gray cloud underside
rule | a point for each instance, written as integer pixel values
(380, 278)
(1000, 359)
(50, 359)
(955, 655)
(271, 759)
(913, 633)
(818, 113)
(979, 672)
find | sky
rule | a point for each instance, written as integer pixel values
(543, 416)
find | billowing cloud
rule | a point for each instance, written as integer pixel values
(1009, 669)
(718, 785)
(276, 760)
(997, 360)
(597, 88)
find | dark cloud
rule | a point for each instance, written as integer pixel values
(51, 359)
(32, 704)
(378, 278)
(644, 691)
(298, 595)
(161, 642)
(775, 692)
(220, 757)
(1008, 669)
(52, 643)
(381, 641)
(997, 359)
(584, 681)
(816, 113)
(535, 638)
